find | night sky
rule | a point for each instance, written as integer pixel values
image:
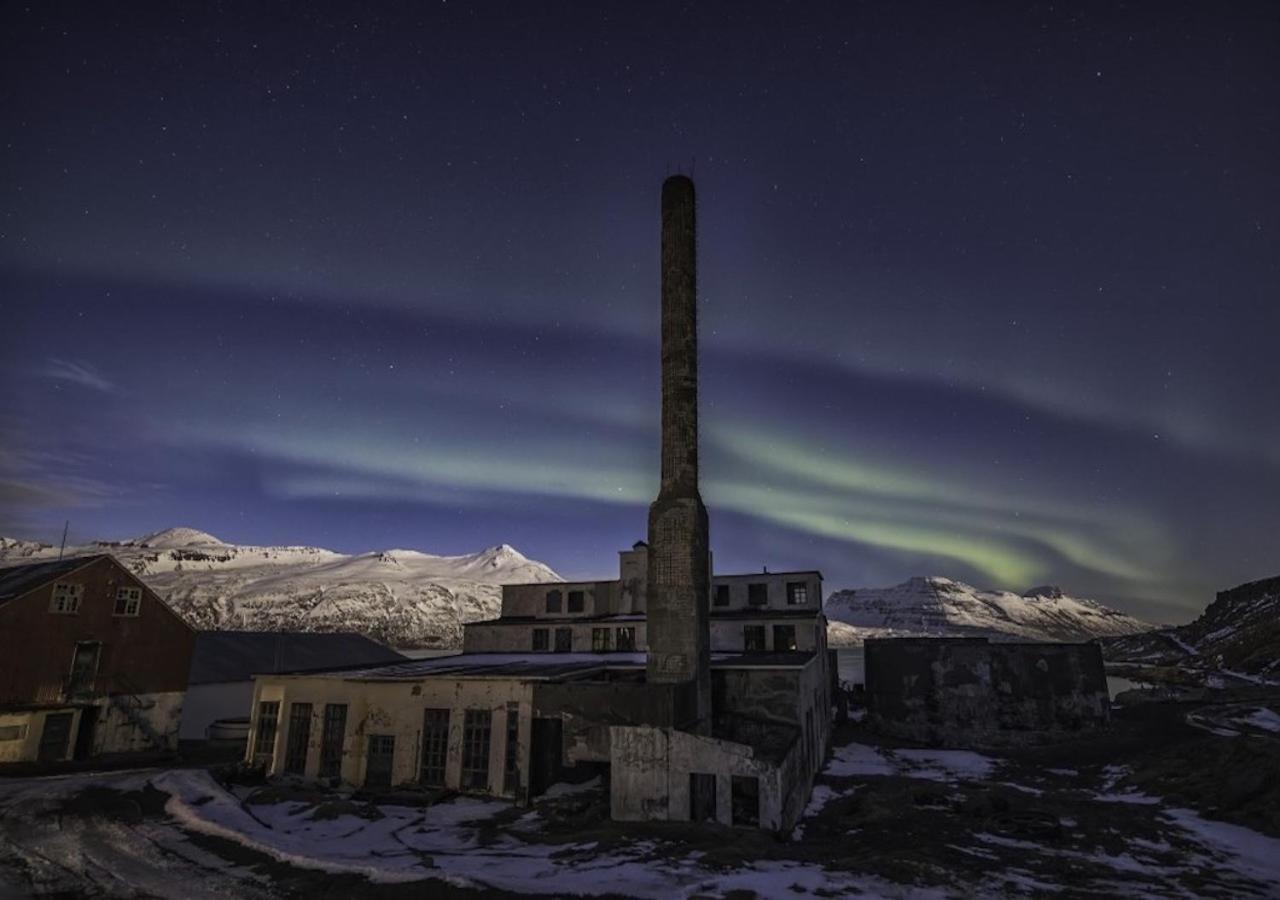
(987, 290)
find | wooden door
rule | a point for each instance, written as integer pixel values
(378, 761)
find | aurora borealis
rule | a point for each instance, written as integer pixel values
(985, 295)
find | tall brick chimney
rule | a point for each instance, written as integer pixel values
(679, 586)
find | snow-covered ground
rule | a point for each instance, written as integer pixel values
(403, 598)
(955, 824)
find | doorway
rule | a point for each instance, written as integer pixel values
(55, 737)
(84, 734)
(378, 761)
(702, 797)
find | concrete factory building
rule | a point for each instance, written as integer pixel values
(707, 697)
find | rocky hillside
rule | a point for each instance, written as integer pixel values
(1237, 636)
(940, 606)
(403, 598)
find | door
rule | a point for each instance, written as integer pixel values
(84, 734)
(702, 797)
(54, 738)
(377, 769)
(295, 754)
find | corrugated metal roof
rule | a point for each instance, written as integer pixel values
(222, 656)
(18, 580)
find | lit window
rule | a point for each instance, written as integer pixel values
(128, 601)
(66, 598)
(797, 593)
(600, 638)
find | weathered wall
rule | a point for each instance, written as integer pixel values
(497, 636)
(121, 731)
(396, 708)
(726, 632)
(24, 728)
(530, 600)
(588, 709)
(650, 769)
(968, 692)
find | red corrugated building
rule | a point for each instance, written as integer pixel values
(92, 662)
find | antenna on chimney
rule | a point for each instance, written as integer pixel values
(63, 547)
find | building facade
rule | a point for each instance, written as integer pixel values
(92, 663)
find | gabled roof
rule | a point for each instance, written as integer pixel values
(18, 580)
(222, 656)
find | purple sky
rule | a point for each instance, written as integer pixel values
(991, 295)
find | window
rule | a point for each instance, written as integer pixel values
(797, 593)
(753, 638)
(331, 738)
(600, 638)
(626, 638)
(540, 641)
(66, 598)
(84, 667)
(295, 751)
(722, 595)
(746, 800)
(564, 640)
(784, 637)
(576, 601)
(12, 732)
(264, 741)
(475, 749)
(128, 601)
(435, 746)
(758, 594)
(511, 769)
(553, 601)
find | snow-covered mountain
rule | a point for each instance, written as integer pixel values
(941, 606)
(1237, 635)
(403, 598)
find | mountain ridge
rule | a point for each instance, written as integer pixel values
(934, 605)
(403, 598)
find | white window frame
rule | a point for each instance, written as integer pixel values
(66, 597)
(132, 597)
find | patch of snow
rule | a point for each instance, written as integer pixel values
(945, 765)
(565, 789)
(1252, 854)
(1263, 718)
(858, 760)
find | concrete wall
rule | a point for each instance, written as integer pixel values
(396, 708)
(114, 731)
(968, 692)
(727, 634)
(23, 728)
(206, 703)
(530, 600)
(650, 769)
(588, 709)
(497, 636)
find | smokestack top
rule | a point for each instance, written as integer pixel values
(677, 183)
